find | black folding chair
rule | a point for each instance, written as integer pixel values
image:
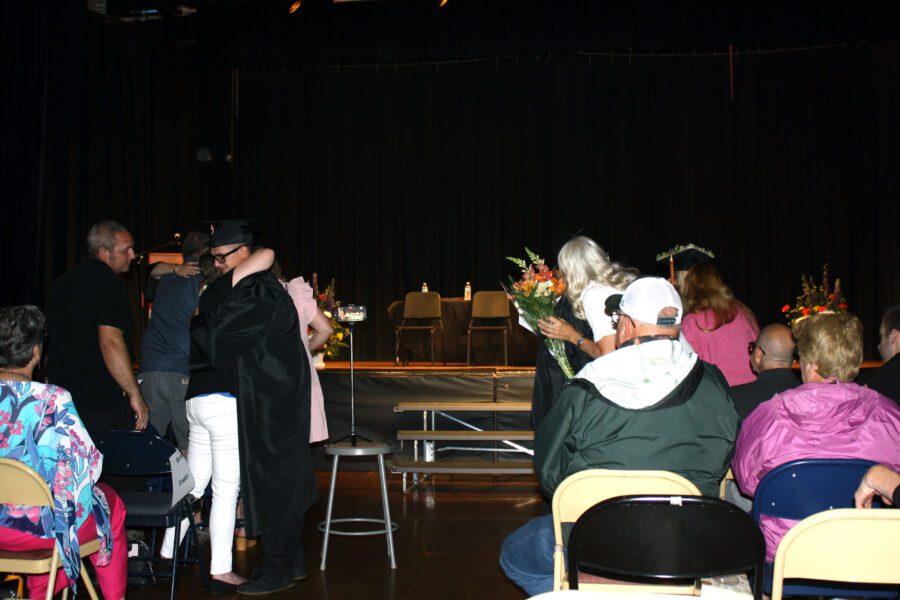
(142, 454)
(641, 538)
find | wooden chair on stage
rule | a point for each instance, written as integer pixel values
(579, 492)
(419, 307)
(489, 305)
(21, 485)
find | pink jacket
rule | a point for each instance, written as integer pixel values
(302, 295)
(815, 420)
(726, 346)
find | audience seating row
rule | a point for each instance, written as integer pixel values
(648, 528)
(136, 454)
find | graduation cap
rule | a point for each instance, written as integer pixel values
(230, 232)
(682, 258)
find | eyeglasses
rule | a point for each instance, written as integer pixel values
(753, 346)
(220, 258)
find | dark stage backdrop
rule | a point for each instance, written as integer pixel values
(387, 175)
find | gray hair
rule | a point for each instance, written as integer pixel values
(21, 329)
(103, 235)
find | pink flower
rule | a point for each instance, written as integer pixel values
(32, 513)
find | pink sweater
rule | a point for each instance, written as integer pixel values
(302, 295)
(725, 347)
(815, 420)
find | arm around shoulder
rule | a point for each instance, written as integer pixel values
(260, 260)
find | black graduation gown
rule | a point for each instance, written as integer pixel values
(548, 377)
(254, 334)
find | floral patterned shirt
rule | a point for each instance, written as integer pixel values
(40, 427)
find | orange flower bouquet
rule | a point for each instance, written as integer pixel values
(816, 298)
(535, 295)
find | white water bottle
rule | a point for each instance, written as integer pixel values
(467, 294)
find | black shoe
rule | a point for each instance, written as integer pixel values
(265, 583)
(217, 586)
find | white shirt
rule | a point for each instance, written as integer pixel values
(593, 299)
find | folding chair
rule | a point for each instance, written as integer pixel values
(143, 454)
(490, 306)
(22, 485)
(845, 544)
(801, 488)
(419, 307)
(666, 538)
(582, 490)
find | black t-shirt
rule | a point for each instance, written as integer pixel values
(210, 380)
(81, 300)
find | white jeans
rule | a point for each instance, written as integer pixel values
(213, 453)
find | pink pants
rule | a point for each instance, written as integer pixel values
(113, 578)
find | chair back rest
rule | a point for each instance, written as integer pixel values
(490, 305)
(582, 490)
(804, 487)
(668, 537)
(846, 544)
(134, 453)
(22, 485)
(422, 305)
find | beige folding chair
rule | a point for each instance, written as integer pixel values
(584, 489)
(723, 485)
(419, 306)
(852, 545)
(21, 485)
(489, 305)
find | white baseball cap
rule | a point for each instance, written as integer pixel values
(645, 298)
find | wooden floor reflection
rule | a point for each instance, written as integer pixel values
(447, 545)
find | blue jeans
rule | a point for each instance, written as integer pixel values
(526, 556)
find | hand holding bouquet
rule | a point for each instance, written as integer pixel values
(535, 295)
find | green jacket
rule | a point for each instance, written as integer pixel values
(691, 432)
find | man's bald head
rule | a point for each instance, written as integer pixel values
(774, 348)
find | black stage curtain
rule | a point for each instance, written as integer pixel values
(388, 175)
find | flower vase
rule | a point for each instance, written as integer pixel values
(319, 360)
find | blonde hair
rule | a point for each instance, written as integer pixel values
(582, 261)
(703, 289)
(832, 342)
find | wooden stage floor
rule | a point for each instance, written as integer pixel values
(447, 546)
